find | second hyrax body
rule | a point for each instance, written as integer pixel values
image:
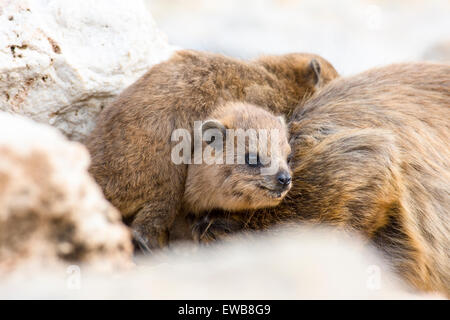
(371, 153)
(131, 144)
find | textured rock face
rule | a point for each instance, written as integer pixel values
(51, 211)
(62, 61)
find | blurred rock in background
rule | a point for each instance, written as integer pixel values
(353, 35)
(440, 52)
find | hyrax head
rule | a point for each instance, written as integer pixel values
(243, 161)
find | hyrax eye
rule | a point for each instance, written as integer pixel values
(252, 160)
(290, 158)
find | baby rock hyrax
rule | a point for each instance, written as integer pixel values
(259, 179)
(131, 144)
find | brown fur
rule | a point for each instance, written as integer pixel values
(372, 153)
(131, 147)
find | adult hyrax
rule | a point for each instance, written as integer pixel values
(131, 144)
(372, 153)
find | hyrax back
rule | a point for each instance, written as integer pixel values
(372, 153)
(131, 144)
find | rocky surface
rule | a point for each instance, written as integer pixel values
(62, 61)
(293, 264)
(51, 210)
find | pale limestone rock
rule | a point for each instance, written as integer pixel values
(61, 61)
(291, 264)
(51, 210)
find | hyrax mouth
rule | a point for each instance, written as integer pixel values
(274, 193)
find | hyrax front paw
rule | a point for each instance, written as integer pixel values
(206, 230)
(150, 239)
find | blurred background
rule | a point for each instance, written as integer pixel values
(352, 34)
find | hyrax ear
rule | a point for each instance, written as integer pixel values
(315, 70)
(215, 125)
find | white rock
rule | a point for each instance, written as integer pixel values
(62, 61)
(51, 210)
(297, 264)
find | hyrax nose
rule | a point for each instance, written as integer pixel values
(284, 178)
